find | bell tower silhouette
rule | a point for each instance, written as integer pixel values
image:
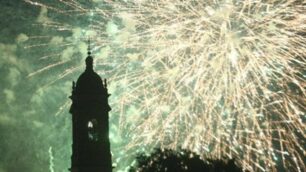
(89, 109)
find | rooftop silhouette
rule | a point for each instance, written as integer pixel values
(90, 126)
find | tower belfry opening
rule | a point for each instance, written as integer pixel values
(90, 126)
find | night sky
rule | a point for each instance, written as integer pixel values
(28, 122)
(170, 87)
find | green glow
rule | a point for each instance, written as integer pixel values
(42, 51)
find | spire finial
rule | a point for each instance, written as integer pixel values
(89, 60)
(88, 48)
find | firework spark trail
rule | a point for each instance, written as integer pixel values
(229, 57)
(222, 78)
(51, 157)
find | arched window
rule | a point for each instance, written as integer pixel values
(92, 127)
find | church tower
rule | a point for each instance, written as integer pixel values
(89, 109)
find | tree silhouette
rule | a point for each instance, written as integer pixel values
(162, 160)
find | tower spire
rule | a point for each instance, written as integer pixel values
(89, 59)
(88, 48)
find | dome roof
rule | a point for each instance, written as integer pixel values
(89, 81)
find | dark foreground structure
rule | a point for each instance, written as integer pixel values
(167, 160)
(89, 109)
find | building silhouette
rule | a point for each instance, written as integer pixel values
(89, 109)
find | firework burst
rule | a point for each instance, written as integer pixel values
(223, 78)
